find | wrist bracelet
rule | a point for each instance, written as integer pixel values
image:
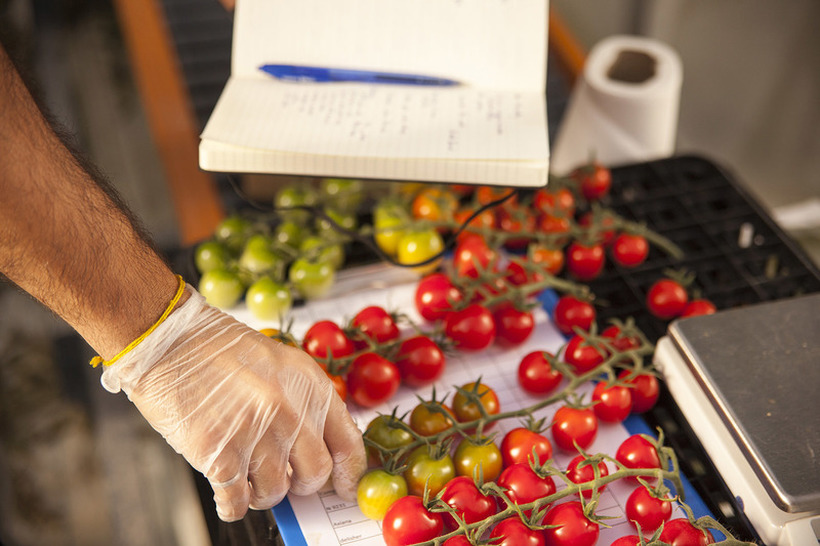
(97, 360)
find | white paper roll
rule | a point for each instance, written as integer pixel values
(625, 107)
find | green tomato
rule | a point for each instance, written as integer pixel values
(313, 279)
(319, 248)
(425, 471)
(419, 245)
(268, 300)
(345, 194)
(290, 233)
(258, 256)
(221, 288)
(211, 255)
(291, 196)
(380, 432)
(346, 220)
(232, 231)
(377, 491)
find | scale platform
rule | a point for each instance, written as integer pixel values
(748, 382)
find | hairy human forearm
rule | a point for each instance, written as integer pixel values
(65, 240)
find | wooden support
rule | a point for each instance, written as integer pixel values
(170, 117)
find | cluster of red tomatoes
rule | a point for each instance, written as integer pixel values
(668, 298)
(560, 226)
(436, 491)
(367, 360)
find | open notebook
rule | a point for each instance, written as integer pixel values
(491, 129)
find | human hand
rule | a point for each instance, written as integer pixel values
(257, 417)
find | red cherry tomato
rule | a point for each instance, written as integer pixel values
(513, 532)
(524, 485)
(630, 250)
(375, 323)
(613, 403)
(519, 220)
(679, 532)
(585, 261)
(407, 522)
(638, 452)
(550, 258)
(594, 179)
(471, 328)
(666, 299)
(645, 390)
(420, 361)
(339, 384)
(536, 375)
(560, 201)
(570, 312)
(572, 426)
(435, 296)
(551, 224)
(512, 326)
(572, 528)
(646, 510)
(326, 338)
(470, 504)
(519, 443)
(458, 540)
(488, 194)
(628, 540)
(581, 471)
(472, 255)
(372, 379)
(698, 307)
(620, 341)
(605, 223)
(582, 356)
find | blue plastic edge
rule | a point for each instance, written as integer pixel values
(288, 525)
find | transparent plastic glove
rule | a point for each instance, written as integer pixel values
(257, 417)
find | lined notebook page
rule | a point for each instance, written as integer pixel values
(484, 43)
(380, 120)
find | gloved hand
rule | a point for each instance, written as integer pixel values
(257, 417)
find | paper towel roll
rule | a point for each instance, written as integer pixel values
(624, 109)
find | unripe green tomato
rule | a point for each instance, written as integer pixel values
(346, 220)
(313, 279)
(258, 256)
(377, 491)
(345, 194)
(268, 300)
(221, 288)
(290, 233)
(233, 231)
(211, 255)
(292, 196)
(319, 248)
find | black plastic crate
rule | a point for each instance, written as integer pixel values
(737, 253)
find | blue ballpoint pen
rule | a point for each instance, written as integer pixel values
(321, 74)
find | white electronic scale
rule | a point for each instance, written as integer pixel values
(748, 382)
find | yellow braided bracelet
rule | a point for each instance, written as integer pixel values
(97, 360)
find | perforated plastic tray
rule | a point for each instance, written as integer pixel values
(736, 251)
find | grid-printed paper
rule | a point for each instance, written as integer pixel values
(327, 520)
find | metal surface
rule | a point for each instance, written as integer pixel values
(760, 368)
